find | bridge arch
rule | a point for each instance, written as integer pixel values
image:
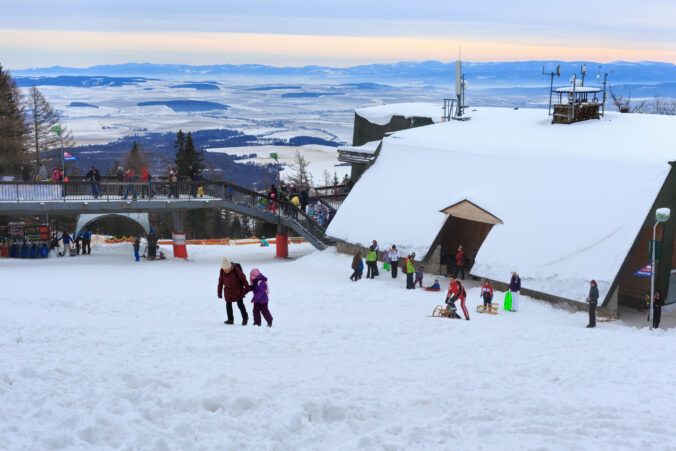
(85, 219)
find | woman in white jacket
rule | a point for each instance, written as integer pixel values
(393, 256)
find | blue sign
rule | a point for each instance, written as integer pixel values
(646, 271)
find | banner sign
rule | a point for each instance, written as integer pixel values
(646, 271)
(68, 157)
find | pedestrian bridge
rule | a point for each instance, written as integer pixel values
(80, 198)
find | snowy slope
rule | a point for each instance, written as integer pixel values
(383, 114)
(572, 197)
(107, 353)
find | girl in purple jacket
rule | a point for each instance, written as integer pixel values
(259, 287)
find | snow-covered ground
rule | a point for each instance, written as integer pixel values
(103, 352)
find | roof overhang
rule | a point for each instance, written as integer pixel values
(465, 209)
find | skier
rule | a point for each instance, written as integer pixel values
(372, 263)
(394, 260)
(593, 300)
(514, 288)
(418, 277)
(487, 293)
(260, 299)
(460, 261)
(457, 291)
(357, 267)
(658, 302)
(232, 286)
(137, 247)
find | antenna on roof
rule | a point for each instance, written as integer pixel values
(551, 85)
(459, 102)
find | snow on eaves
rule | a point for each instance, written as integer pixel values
(383, 114)
(370, 147)
(572, 197)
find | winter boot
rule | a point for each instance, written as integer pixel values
(270, 324)
(245, 320)
(229, 322)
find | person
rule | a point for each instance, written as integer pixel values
(435, 285)
(264, 243)
(145, 188)
(152, 244)
(418, 276)
(592, 299)
(67, 241)
(130, 178)
(457, 291)
(194, 176)
(260, 300)
(87, 242)
(487, 293)
(78, 242)
(232, 286)
(460, 261)
(137, 247)
(173, 182)
(371, 263)
(94, 177)
(296, 205)
(394, 260)
(120, 179)
(42, 173)
(515, 288)
(357, 267)
(658, 302)
(304, 199)
(25, 174)
(56, 175)
(409, 270)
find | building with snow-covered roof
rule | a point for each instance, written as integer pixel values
(560, 204)
(371, 124)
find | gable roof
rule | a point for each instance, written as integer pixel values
(467, 210)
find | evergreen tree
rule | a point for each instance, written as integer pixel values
(335, 179)
(136, 159)
(12, 124)
(40, 118)
(186, 154)
(236, 227)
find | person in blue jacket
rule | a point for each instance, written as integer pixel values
(67, 241)
(86, 242)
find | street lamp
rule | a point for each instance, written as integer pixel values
(661, 215)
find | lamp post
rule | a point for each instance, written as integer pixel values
(661, 215)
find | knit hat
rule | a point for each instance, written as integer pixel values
(254, 274)
(226, 265)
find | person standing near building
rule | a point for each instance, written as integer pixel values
(593, 300)
(371, 263)
(457, 291)
(232, 286)
(152, 244)
(409, 270)
(67, 241)
(460, 261)
(87, 242)
(515, 288)
(394, 260)
(658, 302)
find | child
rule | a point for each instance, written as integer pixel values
(260, 297)
(418, 276)
(137, 246)
(357, 267)
(487, 293)
(435, 286)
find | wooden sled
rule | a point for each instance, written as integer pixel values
(492, 309)
(606, 318)
(442, 312)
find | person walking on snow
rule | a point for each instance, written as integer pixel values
(260, 299)
(394, 260)
(515, 288)
(137, 247)
(593, 300)
(658, 302)
(418, 277)
(357, 267)
(460, 261)
(487, 293)
(232, 286)
(67, 241)
(457, 291)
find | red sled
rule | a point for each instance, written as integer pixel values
(432, 289)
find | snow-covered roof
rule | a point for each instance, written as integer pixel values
(369, 148)
(383, 114)
(572, 197)
(578, 89)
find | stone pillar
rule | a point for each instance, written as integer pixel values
(282, 242)
(178, 235)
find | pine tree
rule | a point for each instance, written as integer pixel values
(335, 179)
(136, 159)
(186, 154)
(40, 118)
(12, 124)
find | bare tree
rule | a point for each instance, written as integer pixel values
(664, 106)
(41, 118)
(300, 177)
(623, 104)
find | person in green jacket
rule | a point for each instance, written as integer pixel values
(372, 262)
(409, 269)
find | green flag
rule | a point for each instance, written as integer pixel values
(274, 156)
(57, 129)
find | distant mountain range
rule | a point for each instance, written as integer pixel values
(525, 74)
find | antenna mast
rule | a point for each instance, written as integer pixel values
(551, 85)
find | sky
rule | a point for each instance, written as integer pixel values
(82, 33)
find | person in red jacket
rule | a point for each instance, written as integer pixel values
(233, 286)
(145, 188)
(487, 293)
(460, 261)
(130, 178)
(457, 291)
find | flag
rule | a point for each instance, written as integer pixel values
(274, 156)
(57, 129)
(68, 157)
(646, 271)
